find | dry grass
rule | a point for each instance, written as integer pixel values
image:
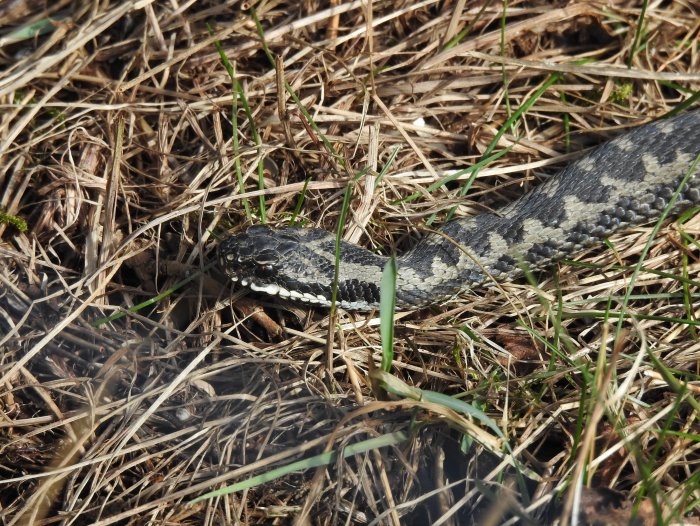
(116, 148)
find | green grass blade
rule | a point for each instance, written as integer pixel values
(639, 31)
(253, 128)
(234, 120)
(387, 306)
(554, 78)
(324, 459)
(393, 385)
(472, 170)
(345, 207)
(34, 29)
(153, 300)
(300, 202)
(326, 143)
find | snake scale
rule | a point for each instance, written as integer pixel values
(627, 181)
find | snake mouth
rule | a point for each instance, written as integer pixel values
(272, 289)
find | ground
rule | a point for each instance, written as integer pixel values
(135, 379)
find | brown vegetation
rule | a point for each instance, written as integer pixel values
(134, 379)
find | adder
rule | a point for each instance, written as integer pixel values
(627, 181)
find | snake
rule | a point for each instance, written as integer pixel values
(641, 175)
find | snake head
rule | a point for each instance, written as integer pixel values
(277, 262)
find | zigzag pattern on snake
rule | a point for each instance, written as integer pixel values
(624, 182)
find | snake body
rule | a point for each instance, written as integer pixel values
(627, 181)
